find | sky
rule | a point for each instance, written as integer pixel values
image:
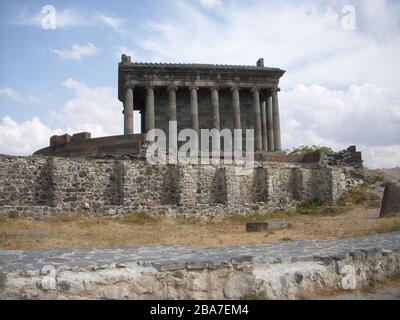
(341, 58)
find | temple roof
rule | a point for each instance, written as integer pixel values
(162, 74)
(201, 66)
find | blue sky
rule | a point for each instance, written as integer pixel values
(341, 85)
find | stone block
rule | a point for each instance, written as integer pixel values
(312, 157)
(270, 225)
(279, 224)
(352, 149)
(60, 140)
(356, 156)
(82, 136)
(256, 226)
(391, 200)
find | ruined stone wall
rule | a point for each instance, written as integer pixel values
(44, 185)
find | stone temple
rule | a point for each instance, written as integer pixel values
(196, 96)
(110, 176)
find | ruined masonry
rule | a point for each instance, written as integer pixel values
(109, 176)
(37, 186)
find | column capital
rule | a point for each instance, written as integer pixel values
(255, 89)
(275, 90)
(236, 87)
(150, 86)
(214, 87)
(264, 94)
(172, 86)
(127, 86)
(193, 87)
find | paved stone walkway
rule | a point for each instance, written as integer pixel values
(176, 257)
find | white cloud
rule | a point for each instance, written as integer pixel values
(10, 93)
(109, 21)
(68, 18)
(381, 157)
(306, 40)
(23, 138)
(65, 19)
(367, 116)
(96, 110)
(209, 3)
(77, 51)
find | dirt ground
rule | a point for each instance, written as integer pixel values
(353, 219)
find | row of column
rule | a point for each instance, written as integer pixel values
(266, 113)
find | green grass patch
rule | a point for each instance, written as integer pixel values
(375, 178)
(13, 214)
(310, 206)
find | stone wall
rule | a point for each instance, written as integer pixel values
(44, 185)
(284, 270)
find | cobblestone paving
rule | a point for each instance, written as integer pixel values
(176, 257)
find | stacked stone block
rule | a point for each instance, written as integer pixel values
(101, 186)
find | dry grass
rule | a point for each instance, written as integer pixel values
(77, 231)
(355, 215)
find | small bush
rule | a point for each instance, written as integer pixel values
(13, 214)
(360, 196)
(308, 149)
(310, 206)
(372, 179)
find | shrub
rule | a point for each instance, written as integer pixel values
(307, 149)
(13, 214)
(310, 206)
(360, 196)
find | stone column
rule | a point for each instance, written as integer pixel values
(150, 120)
(172, 102)
(236, 108)
(215, 107)
(277, 125)
(194, 108)
(128, 111)
(215, 117)
(237, 143)
(264, 125)
(257, 119)
(270, 126)
(173, 125)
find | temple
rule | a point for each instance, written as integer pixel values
(203, 96)
(196, 96)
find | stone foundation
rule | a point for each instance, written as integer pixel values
(37, 186)
(286, 270)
